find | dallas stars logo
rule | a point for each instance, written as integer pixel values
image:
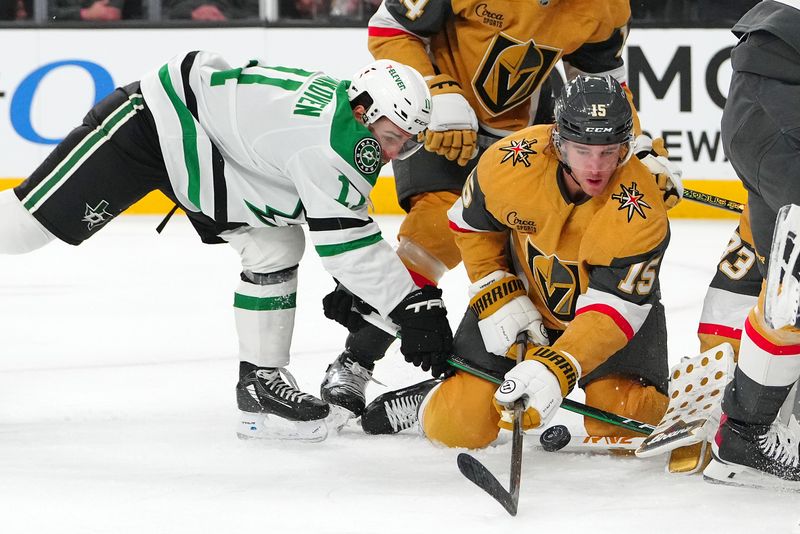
(632, 200)
(518, 152)
(367, 155)
(97, 215)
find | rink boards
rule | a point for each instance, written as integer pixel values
(54, 77)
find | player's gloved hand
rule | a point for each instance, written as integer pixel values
(345, 308)
(503, 308)
(453, 130)
(425, 336)
(654, 155)
(542, 381)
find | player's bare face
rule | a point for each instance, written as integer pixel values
(390, 136)
(592, 166)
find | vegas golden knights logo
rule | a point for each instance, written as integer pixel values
(511, 71)
(557, 281)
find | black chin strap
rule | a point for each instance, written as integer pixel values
(566, 170)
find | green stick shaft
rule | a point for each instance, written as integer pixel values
(567, 404)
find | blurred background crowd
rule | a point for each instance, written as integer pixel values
(646, 13)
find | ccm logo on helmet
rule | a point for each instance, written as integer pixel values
(599, 130)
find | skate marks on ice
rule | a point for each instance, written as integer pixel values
(117, 411)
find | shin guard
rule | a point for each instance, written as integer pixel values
(264, 308)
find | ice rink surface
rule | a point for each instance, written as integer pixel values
(117, 412)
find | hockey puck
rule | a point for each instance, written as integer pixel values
(555, 438)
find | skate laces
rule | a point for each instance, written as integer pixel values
(781, 444)
(353, 376)
(402, 411)
(362, 373)
(273, 380)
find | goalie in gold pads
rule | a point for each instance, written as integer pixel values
(564, 211)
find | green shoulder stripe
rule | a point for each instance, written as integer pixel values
(352, 140)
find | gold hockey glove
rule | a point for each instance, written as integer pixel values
(654, 155)
(453, 130)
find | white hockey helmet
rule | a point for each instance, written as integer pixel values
(396, 91)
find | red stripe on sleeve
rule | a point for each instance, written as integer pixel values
(615, 316)
(768, 346)
(374, 31)
(456, 228)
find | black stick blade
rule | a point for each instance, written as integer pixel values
(481, 477)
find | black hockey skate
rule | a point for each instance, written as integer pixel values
(756, 455)
(396, 410)
(345, 383)
(274, 409)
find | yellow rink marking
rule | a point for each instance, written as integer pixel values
(384, 199)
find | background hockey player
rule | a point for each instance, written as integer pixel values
(489, 70)
(759, 133)
(732, 292)
(557, 226)
(250, 153)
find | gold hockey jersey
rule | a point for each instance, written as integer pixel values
(591, 267)
(501, 51)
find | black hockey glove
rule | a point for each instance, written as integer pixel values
(345, 308)
(425, 336)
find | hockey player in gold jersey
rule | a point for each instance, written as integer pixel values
(565, 210)
(733, 291)
(490, 67)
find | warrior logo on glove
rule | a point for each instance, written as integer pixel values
(508, 386)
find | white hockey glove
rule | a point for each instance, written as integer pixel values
(504, 310)
(541, 381)
(654, 155)
(453, 130)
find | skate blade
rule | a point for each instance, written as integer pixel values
(338, 417)
(718, 472)
(263, 426)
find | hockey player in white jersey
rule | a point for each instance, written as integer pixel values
(250, 154)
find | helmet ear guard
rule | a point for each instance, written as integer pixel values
(392, 90)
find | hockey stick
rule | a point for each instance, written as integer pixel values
(713, 200)
(482, 477)
(492, 376)
(567, 404)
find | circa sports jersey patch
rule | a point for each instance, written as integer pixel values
(367, 155)
(632, 200)
(518, 152)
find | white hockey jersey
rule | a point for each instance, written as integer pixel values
(276, 146)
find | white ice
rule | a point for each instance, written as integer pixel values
(117, 412)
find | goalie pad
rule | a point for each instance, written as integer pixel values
(695, 404)
(783, 273)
